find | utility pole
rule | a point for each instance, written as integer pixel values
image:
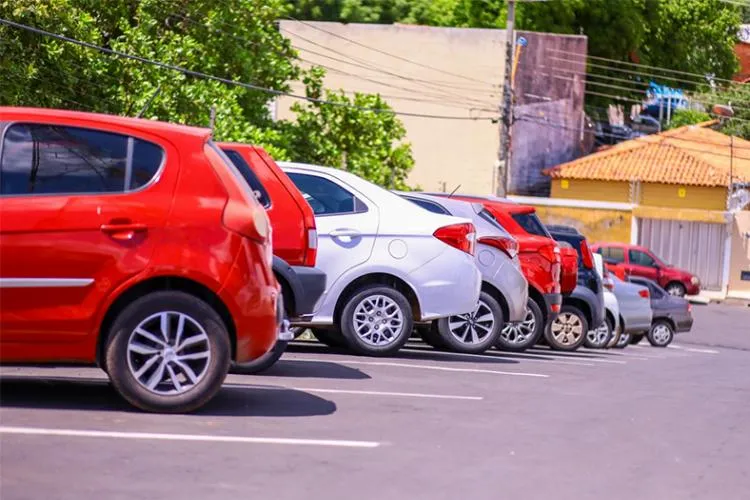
(507, 110)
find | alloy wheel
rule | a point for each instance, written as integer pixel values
(675, 290)
(624, 340)
(474, 327)
(518, 333)
(661, 334)
(567, 328)
(378, 320)
(600, 336)
(168, 353)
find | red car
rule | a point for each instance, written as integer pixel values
(631, 260)
(540, 260)
(295, 241)
(134, 245)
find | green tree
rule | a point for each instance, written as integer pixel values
(367, 143)
(736, 96)
(683, 117)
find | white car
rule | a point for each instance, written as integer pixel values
(601, 337)
(388, 262)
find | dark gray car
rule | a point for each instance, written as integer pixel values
(670, 314)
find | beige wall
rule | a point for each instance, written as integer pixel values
(584, 189)
(446, 152)
(676, 196)
(740, 259)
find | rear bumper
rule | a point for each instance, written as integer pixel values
(447, 285)
(683, 324)
(553, 302)
(312, 284)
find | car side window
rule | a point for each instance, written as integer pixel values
(252, 180)
(656, 292)
(428, 205)
(614, 254)
(641, 258)
(52, 159)
(326, 197)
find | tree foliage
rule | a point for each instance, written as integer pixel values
(682, 117)
(235, 40)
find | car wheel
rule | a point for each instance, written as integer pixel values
(263, 363)
(518, 337)
(615, 338)
(623, 341)
(430, 335)
(474, 332)
(567, 332)
(377, 321)
(661, 334)
(329, 336)
(168, 352)
(599, 338)
(676, 289)
(636, 338)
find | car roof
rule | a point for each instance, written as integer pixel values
(12, 113)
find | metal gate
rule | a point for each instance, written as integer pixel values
(695, 246)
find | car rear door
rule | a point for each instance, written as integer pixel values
(642, 264)
(346, 220)
(79, 214)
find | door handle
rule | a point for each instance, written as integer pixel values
(338, 233)
(123, 231)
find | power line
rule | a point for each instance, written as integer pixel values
(395, 56)
(227, 81)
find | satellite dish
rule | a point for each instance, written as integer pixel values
(722, 110)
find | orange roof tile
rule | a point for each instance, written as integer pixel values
(694, 155)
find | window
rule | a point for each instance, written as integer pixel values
(326, 197)
(252, 180)
(49, 159)
(531, 224)
(487, 215)
(428, 205)
(639, 258)
(613, 254)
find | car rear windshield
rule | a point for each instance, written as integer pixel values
(249, 176)
(531, 224)
(487, 215)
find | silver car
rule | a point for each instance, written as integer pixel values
(504, 288)
(635, 310)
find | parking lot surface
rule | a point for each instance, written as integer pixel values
(641, 423)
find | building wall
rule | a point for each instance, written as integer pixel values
(453, 72)
(595, 224)
(674, 196)
(742, 49)
(576, 189)
(740, 256)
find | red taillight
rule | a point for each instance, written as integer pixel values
(507, 245)
(644, 293)
(460, 236)
(555, 308)
(550, 252)
(311, 252)
(690, 307)
(608, 283)
(586, 255)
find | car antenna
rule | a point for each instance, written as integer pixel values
(454, 191)
(150, 100)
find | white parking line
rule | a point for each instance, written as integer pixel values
(428, 367)
(363, 393)
(704, 351)
(573, 356)
(36, 431)
(500, 356)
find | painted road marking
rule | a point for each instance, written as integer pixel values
(704, 351)
(572, 356)
(36, 431)
(502, 355)
(364, 393)
(428, 367)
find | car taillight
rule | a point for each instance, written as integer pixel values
(507, 245)
(690, 307)
(608, 283)
(311, 252)
(461, 236)
(550, 252)
(586, 255)
(644, 293)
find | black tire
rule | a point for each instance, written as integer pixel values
(676, 288)
(393, 302)
(574, 337)
(510, 334)
(211, 375)
(636, 338)
(329, 336)
(623, 341)
(661, 334)
(489, 310)
(600, 342)
(263, 363)
(430, 336)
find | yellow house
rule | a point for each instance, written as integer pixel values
(667, 191)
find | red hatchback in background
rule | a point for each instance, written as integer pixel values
(135, 245)
(630, 260)
(540, 261)
(295, 241)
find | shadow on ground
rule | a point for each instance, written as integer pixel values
(98, 395)
(314, 369)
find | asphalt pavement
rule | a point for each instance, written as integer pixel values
(641, 423)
